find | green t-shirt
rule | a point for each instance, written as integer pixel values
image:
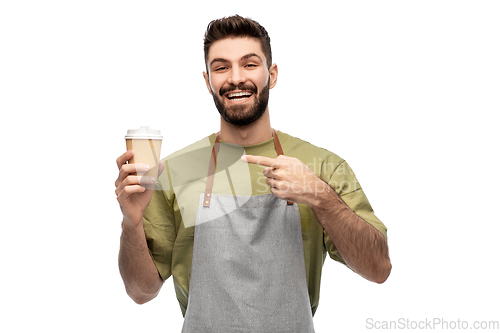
(169, 218)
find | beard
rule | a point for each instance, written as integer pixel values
(242, 115)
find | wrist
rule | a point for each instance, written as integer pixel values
(324, 197)
(132, 224)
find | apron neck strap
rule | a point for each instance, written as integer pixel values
(277, 143)
(213, 163)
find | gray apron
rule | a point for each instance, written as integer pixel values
(248, 272)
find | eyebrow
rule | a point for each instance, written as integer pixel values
(246, 56)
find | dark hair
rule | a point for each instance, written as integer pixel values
(237, 26)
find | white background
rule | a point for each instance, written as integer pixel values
(405, 91)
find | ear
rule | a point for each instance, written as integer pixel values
(207, 82)
(273, 75)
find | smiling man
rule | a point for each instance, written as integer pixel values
(245, 260)
(234, 78)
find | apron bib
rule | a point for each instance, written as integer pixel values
(248, 272)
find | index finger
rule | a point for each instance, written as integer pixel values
(260, 160)
(124, 158)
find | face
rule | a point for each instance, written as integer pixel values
(239, 79)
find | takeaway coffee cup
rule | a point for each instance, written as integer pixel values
(146, 144)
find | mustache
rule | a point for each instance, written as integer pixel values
(232, 87)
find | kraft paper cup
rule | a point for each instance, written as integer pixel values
(146, 144)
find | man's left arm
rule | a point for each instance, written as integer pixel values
(363, 248)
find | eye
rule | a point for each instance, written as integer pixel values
(221, 68)
(251, 65)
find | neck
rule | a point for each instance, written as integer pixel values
(252, 134)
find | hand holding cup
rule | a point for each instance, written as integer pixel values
(139, 168)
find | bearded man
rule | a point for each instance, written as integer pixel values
(244, 218)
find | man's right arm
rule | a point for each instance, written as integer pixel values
(138, 271)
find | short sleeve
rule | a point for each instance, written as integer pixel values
(344, 182)
(160, 231)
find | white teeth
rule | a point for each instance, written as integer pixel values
(239, 94)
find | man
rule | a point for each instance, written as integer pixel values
(245, 239)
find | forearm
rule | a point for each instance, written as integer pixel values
(363, 248)
(137, 268)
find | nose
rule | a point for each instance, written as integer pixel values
(237, 76)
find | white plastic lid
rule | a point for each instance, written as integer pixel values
(145, 132)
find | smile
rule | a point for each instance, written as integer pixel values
(239, 96)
